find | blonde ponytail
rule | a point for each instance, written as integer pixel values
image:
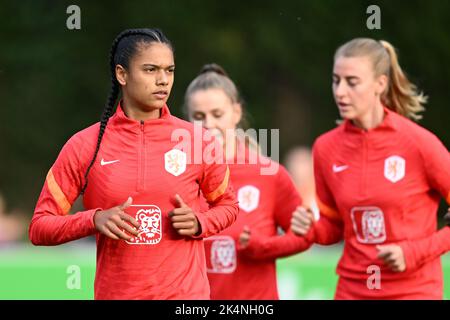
(402, 96)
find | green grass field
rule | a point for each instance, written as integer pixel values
(67, 272)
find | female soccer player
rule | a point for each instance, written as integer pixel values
(379, 179)
(140, 191)
(241, 259)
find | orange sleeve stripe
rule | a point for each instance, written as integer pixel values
(57, 193)
(327, 211)
(448, 198)
(220, 190)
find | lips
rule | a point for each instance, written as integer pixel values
(160, 94)
(343, 105)
(217, 135)
(216, 132)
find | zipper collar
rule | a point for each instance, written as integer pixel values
(120, 121)
(388, 124)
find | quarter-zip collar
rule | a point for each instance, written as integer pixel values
(388, 124)
(122, 122)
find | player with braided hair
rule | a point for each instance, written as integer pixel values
(141, 194)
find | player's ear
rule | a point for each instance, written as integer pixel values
(381, 84)
(237, 113)
(121, 75)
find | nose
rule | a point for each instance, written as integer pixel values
(162, 79)
(339, 89)
(209, 123)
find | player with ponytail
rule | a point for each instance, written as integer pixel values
(241, 259)
(379, 178)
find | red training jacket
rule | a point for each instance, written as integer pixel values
(266, 202)
(137, 159)
(383, 186)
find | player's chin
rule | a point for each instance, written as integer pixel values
(217, 134)
(157, 103)
(347, 114)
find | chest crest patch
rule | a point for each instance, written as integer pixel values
(248, 197)
(394, 168)
(175, 162)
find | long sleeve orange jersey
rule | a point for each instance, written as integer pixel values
(138, 159)
(266, 202)
(383, 186)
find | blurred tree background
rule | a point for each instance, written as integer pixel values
(54, 81)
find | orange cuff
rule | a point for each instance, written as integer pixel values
(327, 211)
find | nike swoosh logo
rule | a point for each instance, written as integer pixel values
(339, 168)
(104, 163)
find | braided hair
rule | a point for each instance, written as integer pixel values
(123, 48)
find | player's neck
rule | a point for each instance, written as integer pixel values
(135, 112)
(371, 119)
(229, 148)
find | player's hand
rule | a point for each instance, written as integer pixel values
(244, 237)
(447, 217)
(393, 257)
(301, 221)
(113, 222)
(183, 219)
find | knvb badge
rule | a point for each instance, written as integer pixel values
(149, 217)
(175, 162)
(248, 197)
(394, 168)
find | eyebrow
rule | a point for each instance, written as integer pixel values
(158, 67)
(202, 112)
(348, 77)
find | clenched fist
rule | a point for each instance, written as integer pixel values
(113, 222)
(244, 237)
(447, 217)
(393, 257)
(184, 220)
(302, 220)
